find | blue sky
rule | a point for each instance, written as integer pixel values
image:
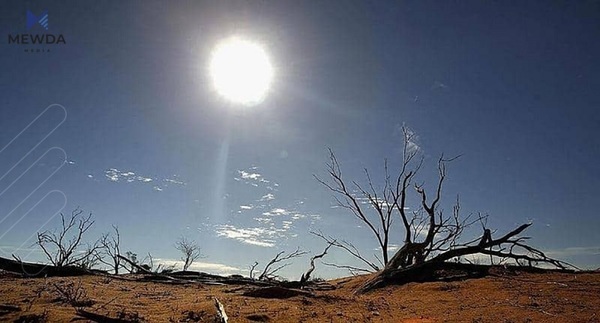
(150, 147)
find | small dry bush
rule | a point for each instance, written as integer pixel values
(72, 293)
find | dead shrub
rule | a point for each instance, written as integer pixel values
(72, 294)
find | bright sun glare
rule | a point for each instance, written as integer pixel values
(241, 71)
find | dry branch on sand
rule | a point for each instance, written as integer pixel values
(221, 315)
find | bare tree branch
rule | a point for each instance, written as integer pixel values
(61, 247)
(269, 271)
(252, 267)
(306, 276)
(351, 249)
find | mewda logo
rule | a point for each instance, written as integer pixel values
(33, 20)
(33, 41)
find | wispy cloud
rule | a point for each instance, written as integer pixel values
(262, 237)
(366, 201)
(411, 145)
(174, 181)
(276, 212)
(252, 177)
(438, 85)
(272, 221)
(115, 175)
(213, 268)
(574, 251)
(267, 197)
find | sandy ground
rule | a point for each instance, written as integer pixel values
(520, 297)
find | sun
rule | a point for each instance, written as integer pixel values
(241, 71)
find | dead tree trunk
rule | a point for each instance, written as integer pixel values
(423, 271)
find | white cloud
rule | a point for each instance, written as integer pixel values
(174, 181)
(115, 175)
(112, 174)
(411, 145)
(381, 202)
(252, 176)
(287, 225)
(253, 236)
(574, 251)
(276, 212)
(298, 216)
(213, 268)
(267, 197)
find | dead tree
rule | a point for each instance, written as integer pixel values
(430, 237)
(306, 276)
(61, 246)
(269, 270)
(111, 247)
(190, 251)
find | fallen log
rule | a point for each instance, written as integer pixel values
(122, 317)
(33, 270)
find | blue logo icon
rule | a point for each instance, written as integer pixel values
(34, 20)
